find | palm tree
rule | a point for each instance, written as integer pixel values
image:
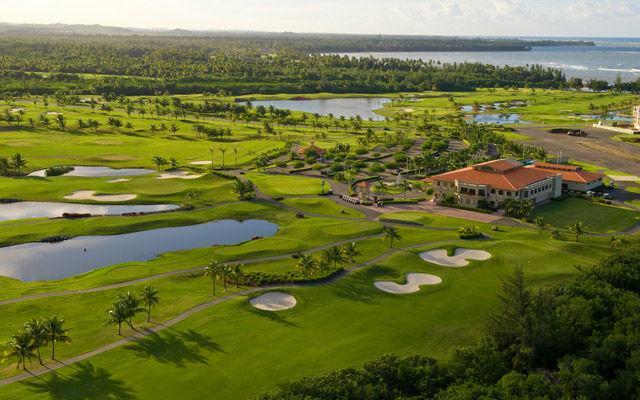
(578, 229)
(539, 221)
(223, 150)
(212, 271)
(235, 152)
(350, 252)
(56, 333)
(131, 304)
(307, 265)
(149, 298)
(117, 315)
(238, 274)
(226, 272)
(333, 255)
(37, 330)
(391, 234)
(61, 121)
(21, 346)
(18, 162)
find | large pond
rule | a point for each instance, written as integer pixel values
(33, 209)
(97, 172)
(47, 261)
(344, 107)
(500, 119)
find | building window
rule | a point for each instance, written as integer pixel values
(501, 192)
(493, 191)
(509, 194)
(526, 194)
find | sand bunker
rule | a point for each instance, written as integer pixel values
(274, 301)
(91, 195)
(179, 175)
(624, 178)
(200, 163)
(119, 180)
(460, 257)
(414, 281)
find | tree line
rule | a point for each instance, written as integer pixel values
(144, 66)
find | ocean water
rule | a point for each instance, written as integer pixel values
(610, 58)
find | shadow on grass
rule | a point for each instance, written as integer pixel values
(84, 382)
(358, 288)
(180, 137)
(273, 316)
(177, 348)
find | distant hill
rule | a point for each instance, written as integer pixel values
(324, 42)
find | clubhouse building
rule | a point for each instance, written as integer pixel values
(495, 181)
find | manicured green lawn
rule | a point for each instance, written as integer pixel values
(322, 206)
(285, 185)
(333, 326)
(598, 218)
(210, 189)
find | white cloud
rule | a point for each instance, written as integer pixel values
(438, 17)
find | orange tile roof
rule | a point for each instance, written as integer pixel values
(570, 173)
(499, 174)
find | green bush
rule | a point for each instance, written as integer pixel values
(469, 232)
(57, 171)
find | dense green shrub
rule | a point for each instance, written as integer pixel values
(469, 232)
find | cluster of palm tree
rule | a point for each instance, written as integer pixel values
(335, 255)
(245, 189)
(216, 270)
(161, 162)
(36, 334)
(12, 166)
(128, 305)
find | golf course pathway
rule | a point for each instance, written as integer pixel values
(201, 307)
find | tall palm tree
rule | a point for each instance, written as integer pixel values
(226, 273)
(578, 229)
(56, 333)
(391, 234)
(350, 251)
(333, 255)
(307, 265)
(21, 347)
(212, 270)
(149, 298)
(117, 314)
(131, 304)
(37, 329)
(238, 273)
(18, 162)
(235, 152)
(223, 150)
(540, 223)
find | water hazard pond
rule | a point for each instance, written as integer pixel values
(43, 209)
(341, 107)
(49, 261)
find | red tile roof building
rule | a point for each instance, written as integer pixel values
(574, 178)
(498, 180)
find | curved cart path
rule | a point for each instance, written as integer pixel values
(138, 335)
(118, 285)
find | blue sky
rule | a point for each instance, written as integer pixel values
(430, 17)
